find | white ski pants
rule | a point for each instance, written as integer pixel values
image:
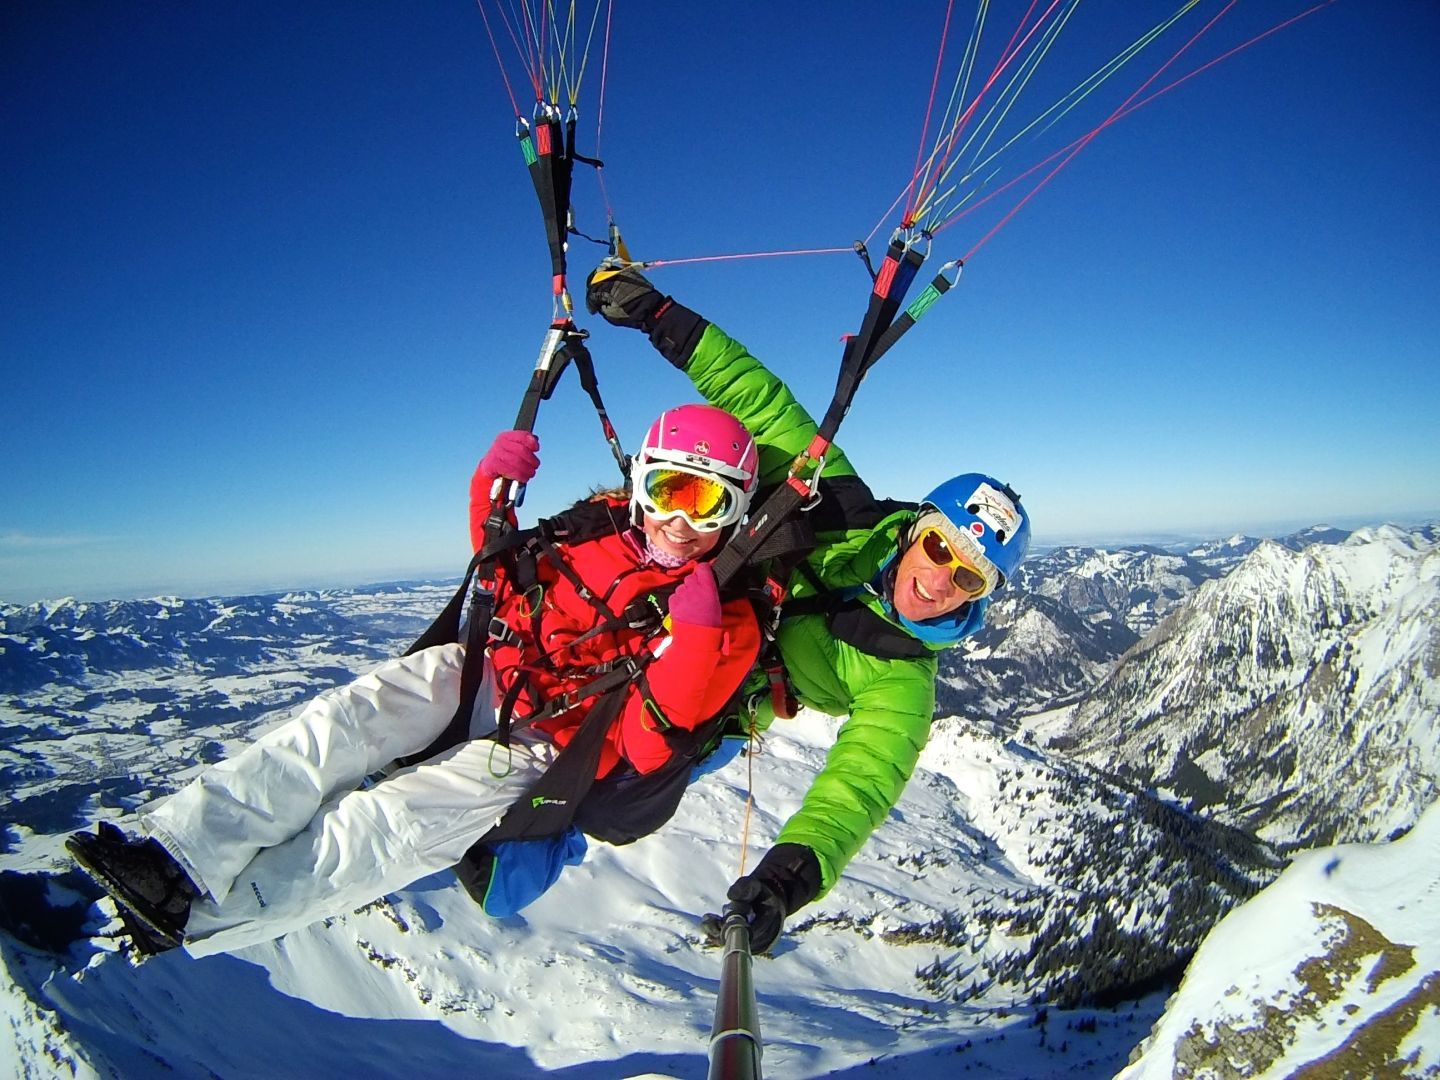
(280, 837)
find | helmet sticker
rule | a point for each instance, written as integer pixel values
(995, 509)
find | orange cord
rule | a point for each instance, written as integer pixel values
(749, 796)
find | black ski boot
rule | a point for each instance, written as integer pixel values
(149, 885)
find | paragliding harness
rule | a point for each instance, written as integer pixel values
(625, 805)
(849, 619)
(618, 808)
(509, 558)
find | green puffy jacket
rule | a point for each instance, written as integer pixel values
(889, 703)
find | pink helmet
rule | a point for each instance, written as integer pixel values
(700, 440)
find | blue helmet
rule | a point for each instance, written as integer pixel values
(990, 512)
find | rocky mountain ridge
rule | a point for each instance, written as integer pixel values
(1296, 697)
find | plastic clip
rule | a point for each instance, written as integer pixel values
(661, 725)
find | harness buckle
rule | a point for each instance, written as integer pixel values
(644, 613)
(501, 633)
(774, 590)
(782, 699)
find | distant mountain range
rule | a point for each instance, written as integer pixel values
(68, 641)
(1249, 678)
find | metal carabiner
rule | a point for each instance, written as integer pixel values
(814, 484)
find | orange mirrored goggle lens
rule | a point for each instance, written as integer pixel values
(937, 549)
(699, 498)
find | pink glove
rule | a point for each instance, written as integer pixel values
(697, 600)
(512, 456)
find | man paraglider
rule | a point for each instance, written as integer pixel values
(887, 587)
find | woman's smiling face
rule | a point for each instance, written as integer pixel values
(674, 536)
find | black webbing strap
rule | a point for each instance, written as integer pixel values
(563, 345)
(564, 174)
(891, 283)
(556, 351)
(937, 288)
(549, 804)
(579, 355)
(750, 537)
(546, 150)
(896, 274)
(851, 620)
(445, 630)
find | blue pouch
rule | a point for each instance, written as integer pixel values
(522, 870)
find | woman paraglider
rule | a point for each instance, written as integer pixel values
(284, 834)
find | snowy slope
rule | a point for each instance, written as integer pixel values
(1296, 697)
(1341, 975)
(605, 975)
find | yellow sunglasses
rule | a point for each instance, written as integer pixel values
(967, 578)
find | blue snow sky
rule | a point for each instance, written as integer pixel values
(274, 275)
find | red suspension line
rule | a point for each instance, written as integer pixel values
(1123, 109)
(1226, 55)
(1012, 50)
(495, 47)
(531, 52)
(526, 52)
(1126, 111)
(1021, 26)
(542, 38)
(925, 128)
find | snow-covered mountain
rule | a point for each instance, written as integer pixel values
(1074, 611)
(1071, 614)
(1296, 697)
(1226, 553)
(95, 697)
(996, 923)
(1341, 975)
(926, 944)
(1120, 888)
(69, 641)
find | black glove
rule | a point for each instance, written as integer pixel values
(787, 879)
(623, 297)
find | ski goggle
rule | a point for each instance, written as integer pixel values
(706, 501)
(968, 578)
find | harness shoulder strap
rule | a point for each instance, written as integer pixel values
(851, 620)
(586, 520)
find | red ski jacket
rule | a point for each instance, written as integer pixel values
(696, 671)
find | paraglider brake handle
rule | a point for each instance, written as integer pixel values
(864, 253)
